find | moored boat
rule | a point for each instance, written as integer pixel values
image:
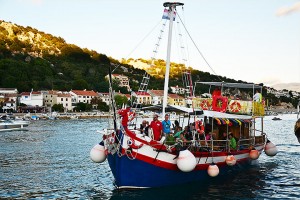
(11, 125)
(276, 118)
(297, 129)
(219, 133)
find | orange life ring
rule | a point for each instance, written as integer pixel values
(235, 107)
(199, 127)
(219, 103)
(205, 104)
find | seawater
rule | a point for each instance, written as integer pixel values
(51, 161)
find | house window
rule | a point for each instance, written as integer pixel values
(62, 99)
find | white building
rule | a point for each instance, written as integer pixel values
(10, 101)
(177, 90)
(124, 81)
(8, 91)
(104, 96)
(157, 96)
(83, 96)
(32, 98)
(65, 100)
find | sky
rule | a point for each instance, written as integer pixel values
(254, 41)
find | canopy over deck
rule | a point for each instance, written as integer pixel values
(232, 85)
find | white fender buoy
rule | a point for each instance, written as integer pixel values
(270, 148)
(97, 153)
(213, 170)
(186, 161)
(230, 160)
(254, 154)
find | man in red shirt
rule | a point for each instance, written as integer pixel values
(156, 126)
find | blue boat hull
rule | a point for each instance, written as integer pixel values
(139, 174)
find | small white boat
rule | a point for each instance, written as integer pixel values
(11, 125)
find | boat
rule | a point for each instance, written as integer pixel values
(225, 134)
(12, 125)
(297, 124)
(276, 118)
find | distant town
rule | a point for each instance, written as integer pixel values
(44, 101)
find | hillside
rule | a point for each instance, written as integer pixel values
(31, 59)
(287, 86)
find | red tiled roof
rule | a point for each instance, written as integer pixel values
(85, 92)
(25, 93)
(175, 96)
(142, 93)
(157, 92)
(11, 95)
(64, 95)
(52, 92)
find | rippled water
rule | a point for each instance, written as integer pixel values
(51, 161)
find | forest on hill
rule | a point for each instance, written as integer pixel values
(31, 59)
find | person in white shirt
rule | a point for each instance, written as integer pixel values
(257, 97)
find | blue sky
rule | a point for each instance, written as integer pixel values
(243, 40)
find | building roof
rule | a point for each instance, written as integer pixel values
(25, 93)
(52, 92)
(142, 93)
(63, 95)
(156, 92)
(85, 92)
(175, 96)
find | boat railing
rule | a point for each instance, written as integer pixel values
(216, 145)
(235, 106)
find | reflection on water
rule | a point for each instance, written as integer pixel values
(51, 160)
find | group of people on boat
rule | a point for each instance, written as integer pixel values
(174, 132)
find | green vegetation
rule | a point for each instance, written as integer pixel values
(31, 59)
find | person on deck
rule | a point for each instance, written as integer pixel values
(257, 97)
(144, 127)
(177, 127)
(166, 125)
(156, 127)
(216, 92)
(185, 135)
(232, 141)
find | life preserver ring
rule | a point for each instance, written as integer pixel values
(219, 103)
(131, 143)
(199, 127)
(205, 104)
(235, 107)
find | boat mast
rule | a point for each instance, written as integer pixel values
(172, 8)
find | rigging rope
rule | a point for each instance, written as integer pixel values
(198, 48)
(146, 36)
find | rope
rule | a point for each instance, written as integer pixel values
(198, 48)
(146, 36)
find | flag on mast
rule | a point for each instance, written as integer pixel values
(166, 14)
